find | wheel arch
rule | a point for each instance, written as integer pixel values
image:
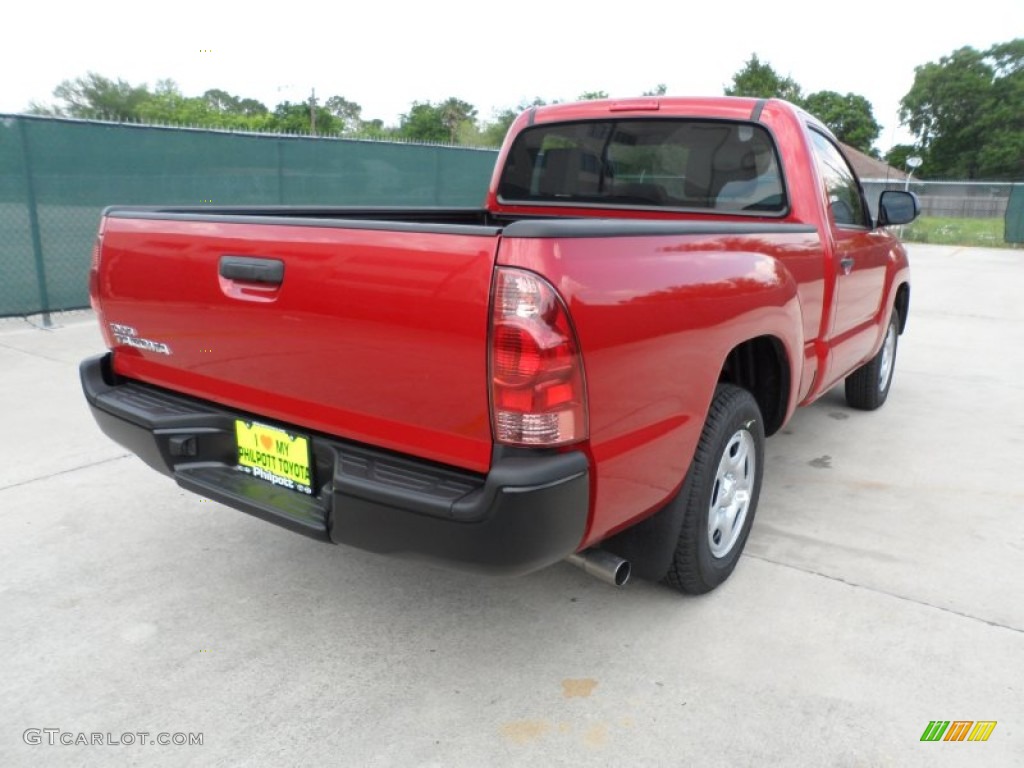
(902, 304)
(762, 367)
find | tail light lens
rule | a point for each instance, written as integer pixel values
(538, 395)
(94, 284)
(94, 270)
(94, 264)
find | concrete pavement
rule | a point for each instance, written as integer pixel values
(882, 588)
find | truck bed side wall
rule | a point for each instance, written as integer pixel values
(656, 317)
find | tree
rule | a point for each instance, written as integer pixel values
(758, 79)
(95, 97)
(897, 156)
(99, 98)
(849, 117)
(592, 95)
(442, 122)
(252, 108)
(471, 135)
(967, 112)
(942, 107)
(291, 117)
(214, 109)
(349, 113)
(454, 113)
(1002, 154)
(166, 104)
(375, 129)
(221, 101)
(423, 122)
(659, 90)
(493, 132)
(225, 110)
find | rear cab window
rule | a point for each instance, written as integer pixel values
(724, 166)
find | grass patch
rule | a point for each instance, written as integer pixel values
(944, 230)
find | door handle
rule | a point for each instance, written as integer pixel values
(846, 264)
(252, 269)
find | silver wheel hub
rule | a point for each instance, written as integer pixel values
(730, 496)
(888, 356)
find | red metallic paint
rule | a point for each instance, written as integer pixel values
(374, 336)
(650, 334)
(380, 336)
(657, 317)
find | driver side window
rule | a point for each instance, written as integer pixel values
(841, 185)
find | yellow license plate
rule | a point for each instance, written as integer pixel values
(274, 455)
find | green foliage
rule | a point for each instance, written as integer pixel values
(897, 156)
(168, 105)
(304, 117)
(659, 90)
(967, 112)
(493, 132)
(214, 109)
(442, 122)
(95, 97)
(375, 129)
(470, 134)
(1002, 153)
(221, 101)
(454, 114)
(348, 113)
(849, 117)
(423, 122)
(224, 103)
(759, 80)
(592, 95)
(98, 98)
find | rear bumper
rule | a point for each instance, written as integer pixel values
(529, 511)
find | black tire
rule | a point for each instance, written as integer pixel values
(733, 424)
(867, 388)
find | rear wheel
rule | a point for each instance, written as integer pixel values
(868, 387)
(720, 493)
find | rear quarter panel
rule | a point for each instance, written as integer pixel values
(656, 317)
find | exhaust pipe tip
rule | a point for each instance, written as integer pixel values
(609, 568)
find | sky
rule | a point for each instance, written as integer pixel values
(385, 55)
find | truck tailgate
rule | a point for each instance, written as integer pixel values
(377, 335)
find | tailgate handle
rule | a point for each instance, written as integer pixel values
(252, 269)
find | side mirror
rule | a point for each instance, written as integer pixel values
(897, 207)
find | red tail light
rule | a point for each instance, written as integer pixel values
(94, 263)
(94, 269)
(538, 396)
(94, 283)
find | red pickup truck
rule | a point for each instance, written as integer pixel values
(593, 358)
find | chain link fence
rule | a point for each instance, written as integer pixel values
(953, 199)
(57, 175)
(962, 212)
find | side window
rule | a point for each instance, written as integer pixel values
(840, 184)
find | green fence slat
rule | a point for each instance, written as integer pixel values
(76, 168)
(1014, 219)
